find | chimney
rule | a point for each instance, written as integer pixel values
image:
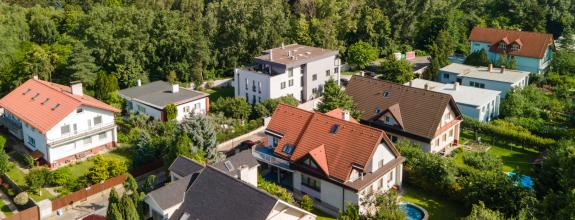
(411, 83)
(361, 73)
(289, 53)
(345, 115)
(244, 174)
(502, 69)
(456, 86)
(271, 55)
(35, 77)
(76, 88)
(139, 82)
(283, 46)
(490, 67)
(175, 88)
(426, 86)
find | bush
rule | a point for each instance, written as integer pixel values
(21, 199)
(275, 190)
(171, 111)
(236, 107)
(483, 161)
(306, 203)
(105, 168)
(60, 176)
(36, 179)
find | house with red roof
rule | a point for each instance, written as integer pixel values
(330, 157)
(532, 51)
(58, 124)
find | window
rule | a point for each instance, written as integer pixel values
(186, 108)
(290, 82)
(327, 73)
(476, 84)
(102, 136)
(283, 85)
(253, 85)
(310, 163)
(259, 99)
(314, 77)
(65, 129)
(437, 142)
(380, 183)
(314, 90)
(390, 178)
(502, 46)
(387, 119)
(301, 81)
(378, 110)
(451, 132)
(394, 139)
(89, 123)
(87, 140)
(311, 182)
(275, 141)
(446, 76)
(288, 149)
(254, 99)
(290, 72)
(385, 93)
(97, 120)
(79, 110)
(197, 106)
(31, 141)
(380, 163)
(333, 129)
(259, 87)
(247, 82)
(515, 47)
(302, 69)
(141, 109)
(247, 97)
(336, 70)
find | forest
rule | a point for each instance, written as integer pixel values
(197, 40)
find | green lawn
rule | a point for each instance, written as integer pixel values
(5, 209)
(349, 73)
(44, 195)
(81, 168)
(437, 207)
(218, 92)
(16, 175)
(515, 158)
(322, 215)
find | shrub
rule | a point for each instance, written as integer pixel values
(105, 168)
(171, 111)
(275, 190)
(483, 161)
(236, 107)
(306, 203)
(60, 176)
(36, 179)
(21, 199)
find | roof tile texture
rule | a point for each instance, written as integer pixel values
(532, 44)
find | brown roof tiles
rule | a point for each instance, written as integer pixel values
(532, 44)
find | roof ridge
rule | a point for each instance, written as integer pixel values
(261, 191)
(47, 84)
(407, 88)
(349, 122)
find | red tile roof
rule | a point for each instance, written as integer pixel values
(43, 104)
(532, 44)
(310, 133)
(338, 113)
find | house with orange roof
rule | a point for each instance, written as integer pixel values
(532, 51)
(58, 124)
(330, 157)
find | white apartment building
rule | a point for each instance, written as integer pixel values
(57, 123)
(296, 70)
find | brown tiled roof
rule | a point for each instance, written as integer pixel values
(43, 104)
(352, 143)
(338, 113)
(318, 154)
(421, 110)
(532, 44)
(300, 54)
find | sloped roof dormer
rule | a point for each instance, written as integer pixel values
(318, 155)
(395, 111)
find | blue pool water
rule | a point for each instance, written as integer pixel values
(525, 181)
(412, 212)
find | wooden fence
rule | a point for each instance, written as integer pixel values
(32, 213)
(82, 194)
(143, 169)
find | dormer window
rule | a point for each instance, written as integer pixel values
(310, 163)
(288, 149)
(378, 110)
(515, 47)
(502, 45)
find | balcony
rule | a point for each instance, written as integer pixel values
(77, 135)
(266, 155)
(14, 127)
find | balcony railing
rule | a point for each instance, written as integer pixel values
(14, 127)
(265, 154)
(72, 136)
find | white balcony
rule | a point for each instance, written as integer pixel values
(77, 135)
(266, 155)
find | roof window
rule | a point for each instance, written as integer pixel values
(229, 165)
(334, 128)
(35, 96)
(27, 91)
(45, 101)
(55, 106)
(385, 93)
(288, 149)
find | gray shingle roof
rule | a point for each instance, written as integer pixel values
(243, 158)
(215, 195)
(171, 194)
(158, 94)
(184, 166)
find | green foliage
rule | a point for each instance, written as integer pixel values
(483, 161)
(228, 128)
(478, 211)
(128, 208)
(334, 97)
(4, 163)
(114, 212)
(131, 184)
(236, 107)
(81, 66)
(200, 129)
(477, 58)
(268, 106)
(36, 178)
(564, 62)
(388, 207)
(361, 54)
(149, 184)
(275, 190)
(351, 213)
(21, 199)
(171, 111)
(306, 203)
(557, 171)
(439, 52)
(394, 70)
(105, 168)
(105, 86)
(60, 176)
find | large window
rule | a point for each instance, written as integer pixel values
(311, 182)
(97, 120)
(290, 72)
(31, 141)
(290, 82)
(310, 163)
(141, 109)
(283, 85)
(102, 136)
(314, 77)
(327, 73)
(87, 140)
(65, 129)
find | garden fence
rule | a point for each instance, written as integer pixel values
(32, 213)
(82, 194)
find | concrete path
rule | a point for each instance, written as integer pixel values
(8, 202)
(254, 135)
(94, 204)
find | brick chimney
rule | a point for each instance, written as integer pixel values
(77, 88)
(35, 77)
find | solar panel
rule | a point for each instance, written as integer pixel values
(229, 165)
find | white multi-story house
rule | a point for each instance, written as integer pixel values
(427, 118)
(296, 70)
(59, 124)
(152, 98)
(329, 157)
(499, 79)
(477, 103)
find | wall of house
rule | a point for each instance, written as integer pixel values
(251, 176)
(381, 153)
(319, 67)
(446, 138)
(529, 64)
(148, 110)
(426, 147)
(380, 185)
(503, 87)
(39, 139)
(447, 77)
(78, 146)
(182, 113)
(482, 112)
(240, 88)
(81, 121)
(154, 207)
(294, 90)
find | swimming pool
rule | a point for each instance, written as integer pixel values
(525, 181)
(413, 212)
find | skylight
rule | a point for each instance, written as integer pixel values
(35, 96)
(55, 106)
(334, 128)
(288, 149)
(385, 93)
(229, 165)
(46, 100)
(27, 91)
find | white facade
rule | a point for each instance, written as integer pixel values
(503, 87)
(80, 131)
(197, 106)
(303, 82)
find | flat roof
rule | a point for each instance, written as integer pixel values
(468, 95)
(300, 54)
(158, 94)
(480, 72)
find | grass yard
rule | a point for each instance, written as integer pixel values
(81, 168)
(321, 215)
(437, 207)
(5, 209)
(515, 158)
(218, 92)
(43, 194)
(16, 175)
